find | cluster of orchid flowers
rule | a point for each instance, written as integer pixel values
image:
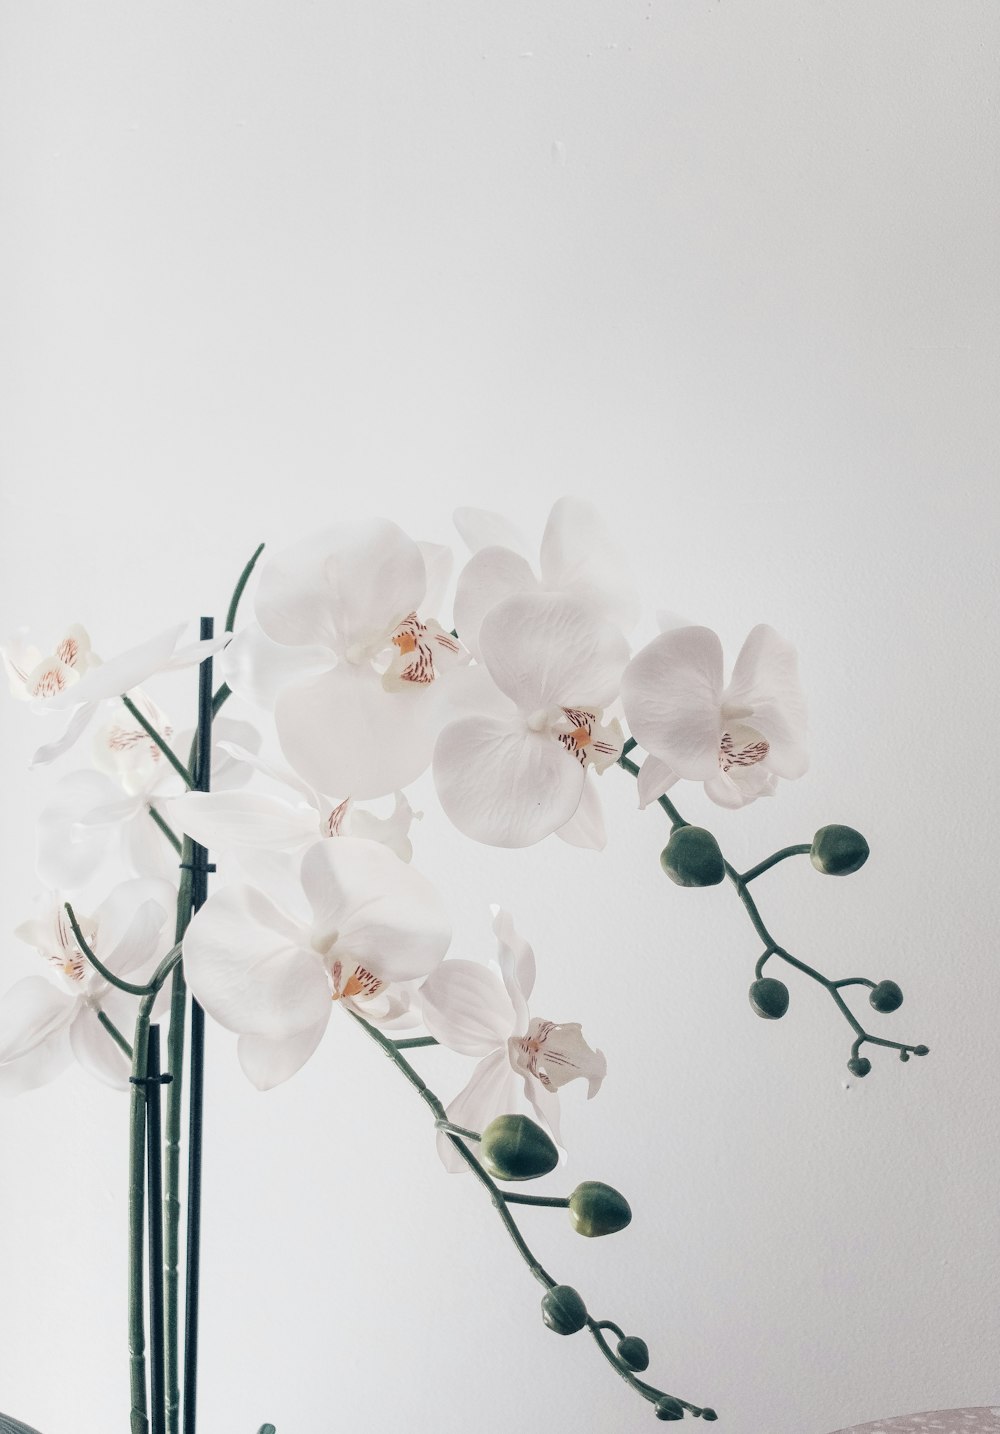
(518, 709)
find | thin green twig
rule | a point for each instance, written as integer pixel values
(159, 741)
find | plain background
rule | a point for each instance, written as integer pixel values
(728, 270)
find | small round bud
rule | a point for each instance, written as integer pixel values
(634, 1352)
(886, 997)
(920, 1050)
(838, 851)
(859, 1066)
(692, 858)
(710, 1415)
(515, 1148)
(769, 998)
(563, 1310)
(667, 1408)
(598, 1209)
(904, 1056)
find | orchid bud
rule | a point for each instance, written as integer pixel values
(667, 1408)
(886, 996)
(634, 1352)
(769, 998)
(904, 1056)
(515, 1148)
(709, 1415)
(859, 1066)
(692, 858)
(838, 851)
(921, 1050)
(563, 1310)
(598, 1209)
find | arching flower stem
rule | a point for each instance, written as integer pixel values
(802, 849)
(411, 1042)
(159, 741)
(128, 986)
(450, 1128)
(114, 1033)
(771, 946)
(556, 1202)
(500, 1200)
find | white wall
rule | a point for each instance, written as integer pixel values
(728, 270)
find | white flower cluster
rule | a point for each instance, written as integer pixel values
(517, 710)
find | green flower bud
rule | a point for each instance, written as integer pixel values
(921, 1050)
(859, 1066)
(769, 998)
(710, 1415)
(692, 858)
(838, 851)
(634, 1352)
(667, 1408)
(598, 1209)
(886, 997)
(904, 1056)
(515, 1148)
(563, 1310)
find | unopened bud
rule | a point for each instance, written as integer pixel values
(667, 1408)
(515, 1148)
(634, 1352)
(563, 1310)
(886, 997)
(838, 851)
(692, 858)
(598, 1209)
(859, 1066)
(769, 998)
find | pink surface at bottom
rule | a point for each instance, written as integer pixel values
(941, 1421)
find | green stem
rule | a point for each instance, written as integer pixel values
(449, 1128)
(762, 866)
(555, 1202)
(114, 1033)
(172, 1158)
(122, 985)
(241, 583)
(499, 1200)
(412, 1042)
(136, 1197)
(771, 946)
(166, 829)
(160, 741)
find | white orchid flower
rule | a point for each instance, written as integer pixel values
(737, 739)
(577, 559)
(352, 668)
(368, 922)
(517, 770)
(74, 679)
(270, 833)
(472, 1010)
(47, 1020)
(92, 815)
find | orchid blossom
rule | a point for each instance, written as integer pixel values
(737, 739)
(74, 679)
(474, 1011)
(516, 770)
(368, 923)
(351, 666)
(47, 1020)
(577, 559)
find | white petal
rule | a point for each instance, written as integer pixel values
(117, 913)
(251, 967)
(344, 733)
(66, 855)
(257, 668)
(392, 831)
(73, 731)
(544, 650)
(96, 1051)
(480, 528)
(579, 556)
(545, 1104)
(243, 756)
(266, 1063)
(503, 784)
(38, 1066)
(672, 691)
(438, 562)
(382, 913)
(566, 1056)
(30, 1012)
(517, 966)
(194, 653)
(119, 674)
(347, 587)
(740, 786)
(766, 679)
(492, 1090)
(466, 1008)
(148, 852)
(489, 577)
(220, 820)
(140, 941)
(585, 827)
(655, 778)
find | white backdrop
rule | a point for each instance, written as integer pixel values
(729, 272)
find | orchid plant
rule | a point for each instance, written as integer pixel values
(318, 910)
